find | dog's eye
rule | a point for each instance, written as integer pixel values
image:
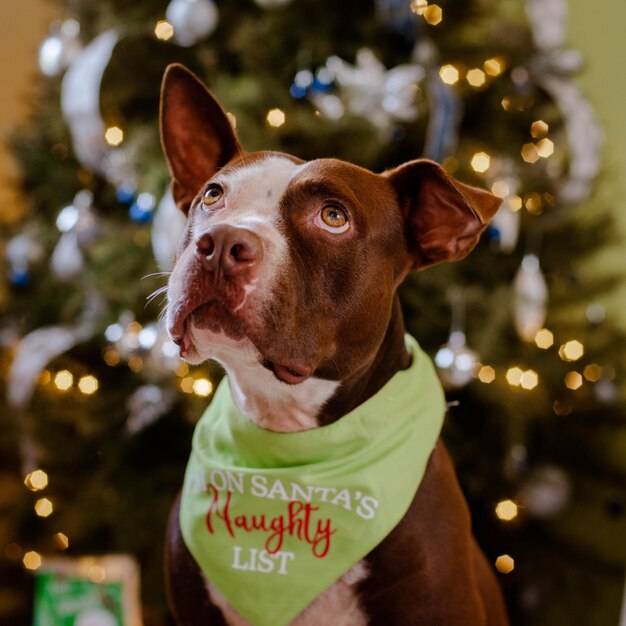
(333, 219)
(212, 194)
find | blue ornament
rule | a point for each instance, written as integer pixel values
(297, 91)
(19, 276)
(141, 210)
(125, 193)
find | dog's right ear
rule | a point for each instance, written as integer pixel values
(196, 134)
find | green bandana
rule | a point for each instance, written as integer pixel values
(273, 519)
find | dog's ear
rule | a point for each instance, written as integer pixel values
(444, 218)
(197, 136)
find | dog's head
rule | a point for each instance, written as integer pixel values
(289, 267)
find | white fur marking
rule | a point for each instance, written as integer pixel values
(338, 605)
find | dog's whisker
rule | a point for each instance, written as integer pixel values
(156, 274)
(155, 293)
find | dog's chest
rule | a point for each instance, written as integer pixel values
(338, 605)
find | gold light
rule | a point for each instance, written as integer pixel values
(44, 378)
(114, 135)
(561, 407)
(593, 372)
(275, 118)
(539, 129)
(505, 564)
(433, 14)
(480, 162)
(32, 560)
(96, 573)
(63, 380)
(476, 77)
(506, 510)
(514, 376)
(515, 203)
(529, 379)
(43, 507)
(61, 541)
(182, 369)
(37, 480)
(135, 363)
(486, 374)
(202, 387)
(493, 67)
(500, 189)
(544, 339)
(530, 153)
(545, 148)
(186, 384)
(449, 74)
(533, 203)
(88, 385)
(419, 6)
(163, 30)
(573, 380)
(111, 357)
(572, 350)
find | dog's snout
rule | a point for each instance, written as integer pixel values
(229, 249)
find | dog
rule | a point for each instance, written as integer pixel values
(287, 275)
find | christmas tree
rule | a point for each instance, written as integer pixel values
(98, 410)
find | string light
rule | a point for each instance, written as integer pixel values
(505, 564)
(530, 153)
(572, 350)
(476, 77)
(480, 162)
(202, 387)
(449, 74)
(63, 380)
(419, 6)
(186, 384)
(135, 363)
(61, 541)
(32, 560)
(163, 30)
(182, 369)
(44, 378)
(573, 380)
(433, 14)
(545, 148)
(529, 380)
(515, 203)
(96, 573)
(114, 135)
(544, 339)
(37, 480)
(506, 510)
(111, 357)
(514, 376)
(486, 374)
(44, 507)
(494, 67)
(539, 129)
(88, 385)
(533, 203)
(500, 188)
(593, 372)
(561, 407)
(275, 118)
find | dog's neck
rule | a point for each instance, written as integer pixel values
(315, 402)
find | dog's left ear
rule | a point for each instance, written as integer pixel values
(444, 218)
(196, 134)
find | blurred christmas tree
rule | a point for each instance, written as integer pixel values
(96, 426)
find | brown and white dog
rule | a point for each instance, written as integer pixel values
(287, 275)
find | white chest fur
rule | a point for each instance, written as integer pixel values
(337, 606)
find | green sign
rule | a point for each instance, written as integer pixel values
(62, 600)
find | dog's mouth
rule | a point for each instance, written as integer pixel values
(217, 318)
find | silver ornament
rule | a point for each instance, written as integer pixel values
(193, 20)
(455, 362)
(546, 491)
(59, 48)
(530, 296)
(371, 91)
(146, 405)
(80, 101)
(167, 228)
(507, 221)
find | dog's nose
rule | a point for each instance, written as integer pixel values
(229, 249)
